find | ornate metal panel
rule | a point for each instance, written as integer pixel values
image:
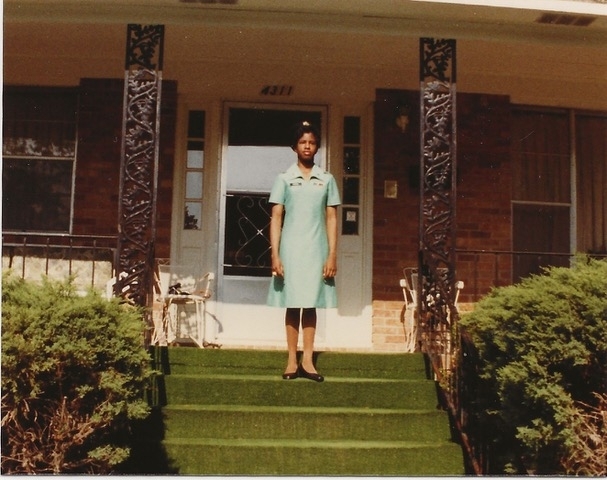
(139, 163)
(247, 233)
(437, 202)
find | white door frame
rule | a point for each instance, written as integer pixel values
(248, 321)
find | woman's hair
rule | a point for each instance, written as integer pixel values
(300, 128)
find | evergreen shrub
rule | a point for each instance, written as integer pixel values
(542, 348)
(74, 370)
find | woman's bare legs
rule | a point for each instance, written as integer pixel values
(308, 320)
(292, 318)
(307, 316)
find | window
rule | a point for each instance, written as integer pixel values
(591, 159)
(542, 193)
(39, 156)
(351, 180)
(194, 171)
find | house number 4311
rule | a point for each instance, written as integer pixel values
(277, 90)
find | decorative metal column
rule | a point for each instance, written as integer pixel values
(139, 164)
(437, 314)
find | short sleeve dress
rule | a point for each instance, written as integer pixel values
(304, 245)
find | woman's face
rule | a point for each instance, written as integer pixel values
(306, 147)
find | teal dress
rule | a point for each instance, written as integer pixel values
(304, 245)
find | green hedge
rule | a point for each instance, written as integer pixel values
(74, 371)
(542, 348)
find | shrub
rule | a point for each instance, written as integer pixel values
(542, 346)
(73, 377)
(587, 455)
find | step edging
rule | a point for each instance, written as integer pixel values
(308, 444)
(192, 407)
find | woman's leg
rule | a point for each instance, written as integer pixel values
(292, 318)
(308, 320)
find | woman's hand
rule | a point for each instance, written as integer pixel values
(329, 270)
(277, 268)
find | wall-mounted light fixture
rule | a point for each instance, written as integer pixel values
(402, 117)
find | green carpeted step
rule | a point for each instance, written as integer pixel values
(303, 457)
(273, 390)
(229, 412)
(245, 421)
(198, 361)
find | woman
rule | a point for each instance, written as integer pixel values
(304, 247)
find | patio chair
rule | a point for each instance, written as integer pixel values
(179, 288)
(409, 287)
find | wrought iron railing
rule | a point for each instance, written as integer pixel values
(482, 270)
(89, 259)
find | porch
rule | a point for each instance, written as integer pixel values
(90, 261)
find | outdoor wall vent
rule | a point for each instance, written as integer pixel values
(566, 19)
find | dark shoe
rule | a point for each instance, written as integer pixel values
(290, 376)
(311, 376)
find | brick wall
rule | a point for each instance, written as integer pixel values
(98, 162)
(484, 193)
(483, 222)
(388, 326)
(164, 208)
(395, 220)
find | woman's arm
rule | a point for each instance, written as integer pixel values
(330, 267)
(275, 232)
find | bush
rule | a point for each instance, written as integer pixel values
(542, 346)
(587, 455)
(73, 376)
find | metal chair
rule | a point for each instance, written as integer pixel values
(409, 287)
(439, 338)
(179, 288)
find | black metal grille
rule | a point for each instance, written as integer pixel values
(247, 239)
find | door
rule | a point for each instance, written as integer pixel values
(256, 149)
